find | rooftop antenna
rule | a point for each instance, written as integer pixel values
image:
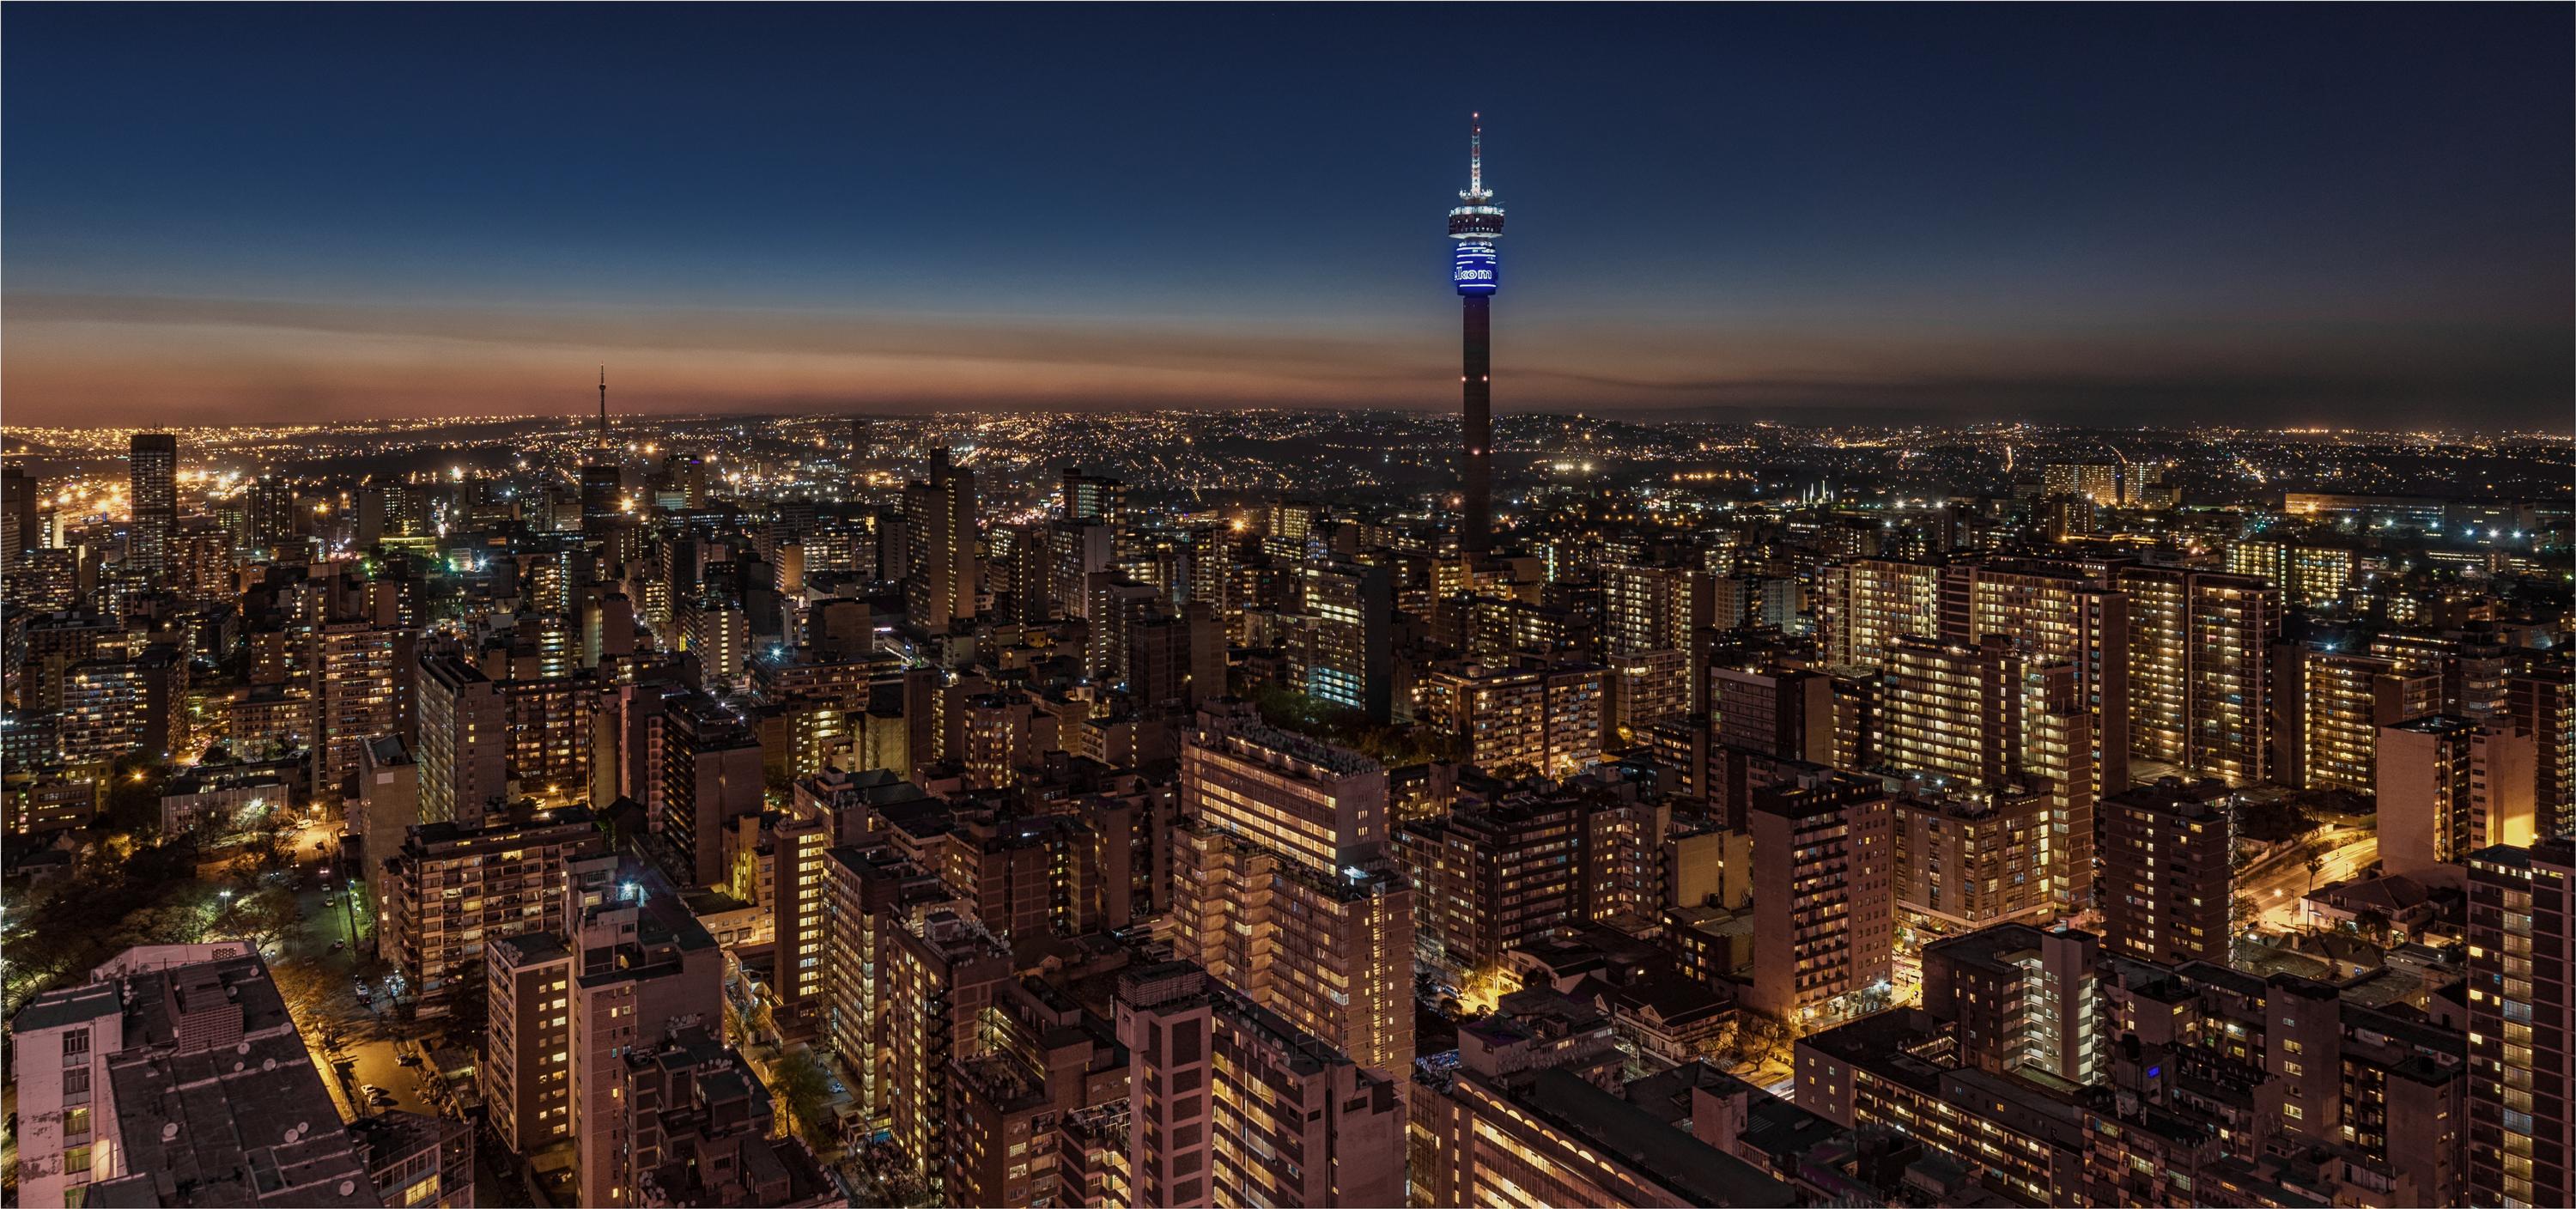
(603, 405)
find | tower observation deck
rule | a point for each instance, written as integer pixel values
(1474, 268)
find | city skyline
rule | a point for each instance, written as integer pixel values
(805, 608)
(2338, 216)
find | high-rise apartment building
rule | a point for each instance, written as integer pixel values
(1320, 806)
(941, 971)
(645, 971)
(113, 707)
(1824, 882)
(2308, 576)
(1550, 720)
(2449, 786)
(1650, 618)
(526, 1072)
(1230, 1104)
(1329, 949)
(1117, 605)
(1973, 856)
(2021, 998)
(2542, 704)
(1787, 713)
(2053, 612)
(1040, 1116)
(1865, 605)
(2328, 708)
(939, 521)
(1092, 497)
(700, 1129)
(1986, 716)
(363, 677)
(2165, 876)
(1340, 647)
(19, 529)
(1527, 1115)
(548, 727)
(2522, 929)
(1649, 608)
(1076, 551)
(705, 771)
(1490, 879)
(717, 630)
(450, 888)
(2200, 679)
(464, 752)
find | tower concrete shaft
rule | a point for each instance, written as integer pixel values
(1476, 469)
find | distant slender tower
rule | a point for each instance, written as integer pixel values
(603, 482)
(1475, 225)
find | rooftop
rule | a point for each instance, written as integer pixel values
(1649, 1147)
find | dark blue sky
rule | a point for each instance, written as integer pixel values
(2300, 212)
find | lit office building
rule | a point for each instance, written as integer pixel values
(152, 467)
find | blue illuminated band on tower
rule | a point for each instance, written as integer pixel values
(1471, 268)
(1475, 269)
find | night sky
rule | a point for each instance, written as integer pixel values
(2295, 213)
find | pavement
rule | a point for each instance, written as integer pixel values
(2278, 886)
(372, 1038)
